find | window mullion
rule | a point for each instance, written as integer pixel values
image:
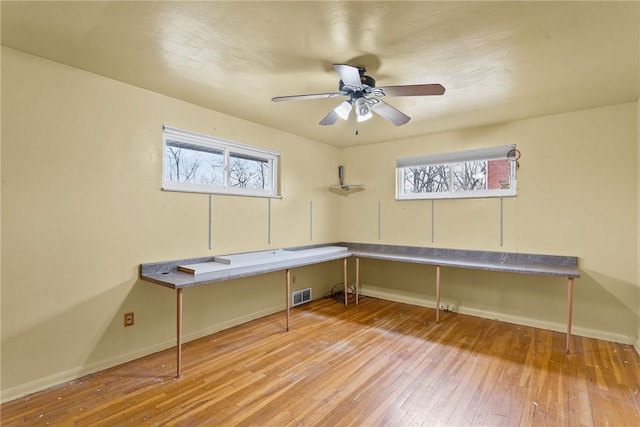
(227, 170)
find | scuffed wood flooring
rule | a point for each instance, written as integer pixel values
(381, 363)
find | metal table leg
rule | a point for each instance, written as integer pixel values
(179, 332)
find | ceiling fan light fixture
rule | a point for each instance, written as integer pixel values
(363, 110)
(365, 117)
(343, 110)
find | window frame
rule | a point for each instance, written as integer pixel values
(450, 160)
(228, 148)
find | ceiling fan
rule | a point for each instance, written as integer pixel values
(364, 96)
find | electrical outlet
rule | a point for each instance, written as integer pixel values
(128, 319)
(447, 307)
(293, 280)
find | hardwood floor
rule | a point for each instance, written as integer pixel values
(381, 363)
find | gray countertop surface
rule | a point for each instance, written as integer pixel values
(166, 273)
(512, 266)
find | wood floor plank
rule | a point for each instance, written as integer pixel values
(380, 363)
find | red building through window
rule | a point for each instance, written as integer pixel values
(498, 174)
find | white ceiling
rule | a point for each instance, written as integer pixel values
(499, 61)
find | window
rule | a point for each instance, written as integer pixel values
(204, 164)
(487, 172)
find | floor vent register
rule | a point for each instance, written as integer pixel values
(300, 297)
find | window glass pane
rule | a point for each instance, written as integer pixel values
(499, 174)
(248, 172)
(426, 179)
(194, 164)
(470, 176)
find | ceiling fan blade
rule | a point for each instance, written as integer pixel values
(302, 97)
(330, 118)
(390, 113)
(409, 90)
(349, 75)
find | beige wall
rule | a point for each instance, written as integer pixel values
(577, 193)
(637, 343)
(82, 208)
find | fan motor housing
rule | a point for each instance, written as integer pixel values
(366, 81)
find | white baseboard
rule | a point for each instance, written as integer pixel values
(421, 300)
(81, 371)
